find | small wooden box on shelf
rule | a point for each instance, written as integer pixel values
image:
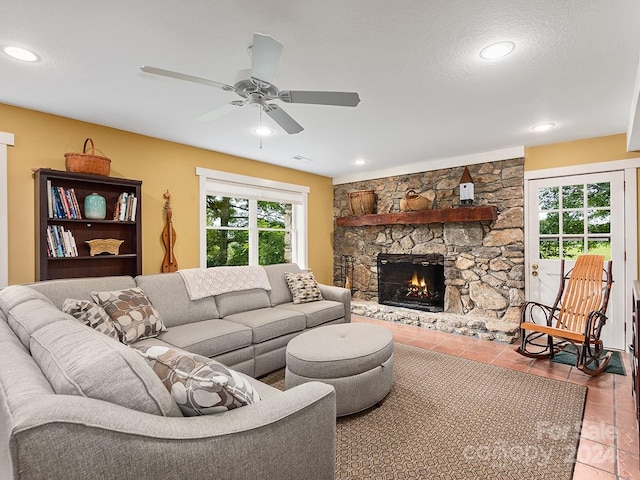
(129, 259)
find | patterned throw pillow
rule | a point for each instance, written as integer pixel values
(199, 385)
(132, 313)
(303, 287)
(92, 315)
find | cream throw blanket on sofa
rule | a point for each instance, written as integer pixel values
(206, 282)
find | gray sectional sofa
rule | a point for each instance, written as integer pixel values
(75, 404)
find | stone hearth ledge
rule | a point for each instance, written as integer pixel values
(469, 325)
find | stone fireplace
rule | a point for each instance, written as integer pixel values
(411, 281)
(482, 261)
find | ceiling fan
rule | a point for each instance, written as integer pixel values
(255, 87)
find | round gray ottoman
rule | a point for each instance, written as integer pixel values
(356, 358)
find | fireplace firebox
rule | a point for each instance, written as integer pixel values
(411, 281)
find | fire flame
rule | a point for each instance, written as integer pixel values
(417, 283)
(418, 287)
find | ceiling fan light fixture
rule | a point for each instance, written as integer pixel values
(543, 127)
(263, 131)
(497, 50)
(20, 53)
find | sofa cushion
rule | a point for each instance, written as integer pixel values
(304, 287)
(243, 301)
(59, 290)
(280, 292)
(92, 315)
(199, 385)
(16, 294)
(80, 361)
(268, 323)
(208, 337)
(317, 313)
(169, 296)
(132, 313)
(27, 311)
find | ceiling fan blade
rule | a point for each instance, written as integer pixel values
(265, 54)
(283, 119)
(220, 111)
(342, 99)
(188, 78)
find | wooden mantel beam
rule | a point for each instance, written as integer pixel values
(441, 215)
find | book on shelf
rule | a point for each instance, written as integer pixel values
(63, 202)
(75, 203)
(60, 242)
(49, 200)
(50, 243)
(125, 208)
(134, 208)
(57, 206)
(72, 207)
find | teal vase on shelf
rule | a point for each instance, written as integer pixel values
(95, 207)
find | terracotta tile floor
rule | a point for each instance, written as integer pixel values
(608, 448)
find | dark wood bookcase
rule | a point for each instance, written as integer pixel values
(128, 261)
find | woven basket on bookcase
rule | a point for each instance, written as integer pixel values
(87, 162)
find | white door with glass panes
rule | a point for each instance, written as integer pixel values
(570, 216)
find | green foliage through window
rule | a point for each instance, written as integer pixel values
(230, 222)
(562, 218)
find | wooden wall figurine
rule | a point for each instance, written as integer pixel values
(169, 264)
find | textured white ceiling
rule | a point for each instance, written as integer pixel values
(426, 94)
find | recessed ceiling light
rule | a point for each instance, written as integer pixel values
(20, 53)
(497, 50)
(263, 131)
(360, 161)
(543, 127)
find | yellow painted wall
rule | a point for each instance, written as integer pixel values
(41, 140)
(591, 150)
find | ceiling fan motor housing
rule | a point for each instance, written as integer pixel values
(246, 85)
(255, 88)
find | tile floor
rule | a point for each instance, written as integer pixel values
(608, 448)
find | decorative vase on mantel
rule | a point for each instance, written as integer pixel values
(95, 207)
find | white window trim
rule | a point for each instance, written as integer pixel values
(300, 209)
(6, 139)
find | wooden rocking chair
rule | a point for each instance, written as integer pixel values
(576, 317)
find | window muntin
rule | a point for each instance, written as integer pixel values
(574, 219)
(237, 226)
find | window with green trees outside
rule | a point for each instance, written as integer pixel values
(237, 226)
(575, 219)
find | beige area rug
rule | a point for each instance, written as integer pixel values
(451, 418)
